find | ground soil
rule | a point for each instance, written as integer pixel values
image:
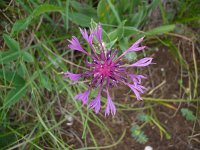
(168, 70)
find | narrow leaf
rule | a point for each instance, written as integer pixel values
(14, 96)
(22, 24)
(12, 77)
(27, 57)
(6, 57)
(160, 30)
(11, 43)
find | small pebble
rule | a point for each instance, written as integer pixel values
(70, 120)
(148, 148)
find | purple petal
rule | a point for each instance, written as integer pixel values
(140, 88)
(142, 62)
(75, 45)
(136, 44)
(83, 96)
(72, 76)
(86, 37)
(137, 78)
(110, 107)
(98, 33)
(134, 47)
(137, 89)
(96, 103)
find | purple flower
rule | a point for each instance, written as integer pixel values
(107, 70)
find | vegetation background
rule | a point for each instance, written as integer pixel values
(37, 108)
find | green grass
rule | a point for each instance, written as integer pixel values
(36, 102)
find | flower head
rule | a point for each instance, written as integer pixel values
(107, 70)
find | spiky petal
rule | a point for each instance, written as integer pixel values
(137, 78)
(96, 103)
(72, 76)
(75, 45)
(110, 107)
(98, 33)
(83, 96)
(142, 62)
(137, 89)
(134, 47)
(87, 37)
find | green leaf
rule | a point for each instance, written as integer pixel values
(93, 24)
(138, 134)
(45, 81)
(18, 88)
(105, 37)
(160, 30)
(104, 13)
(124, 44)
(124, 6)
(66, 15)
(84, 8)
(46, 8)
(27, 57)
(22, 24)
(22, 70)
(110, 44)
(11, 43)
(115, 12)
(153, 4)
(188, 114)
(139, 17)
(143, 117)
(117, 33)
(14, 78)
(6, 138)
(6, 57)
(80, 19)
(14, 95)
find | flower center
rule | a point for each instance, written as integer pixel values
(104, 70)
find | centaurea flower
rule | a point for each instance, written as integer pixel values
(106, 70)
